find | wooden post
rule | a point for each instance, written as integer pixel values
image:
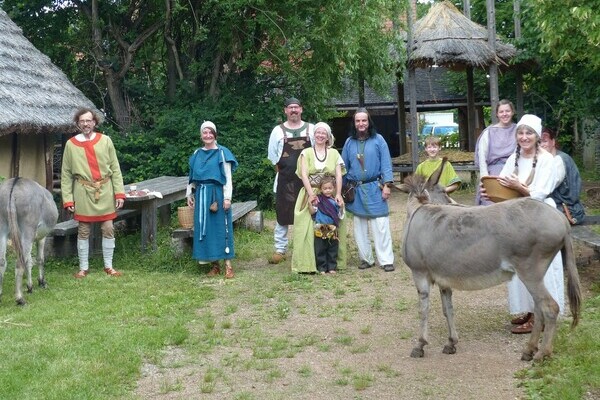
(401, 117)
(412, 87)
(518, 73)
(493, 68)
(471, 139)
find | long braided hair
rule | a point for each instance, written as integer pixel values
(518, 154)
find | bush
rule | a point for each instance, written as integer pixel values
(173, 133)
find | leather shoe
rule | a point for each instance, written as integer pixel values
(388, 267)
(215, 270)
(521, 319)
(277, 258)
(82, 273)
(527, 327)
(364, 265)
(112, 272)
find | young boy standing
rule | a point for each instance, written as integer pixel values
(327, 214)
(449, 180)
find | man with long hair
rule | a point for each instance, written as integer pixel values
(369, 165)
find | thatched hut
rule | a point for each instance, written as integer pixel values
(37, 103)
(445, 37)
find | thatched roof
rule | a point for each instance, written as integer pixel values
(445, 37)
(35, 96)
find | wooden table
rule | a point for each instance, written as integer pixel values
(172, 189)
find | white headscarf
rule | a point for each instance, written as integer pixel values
(208, 124)
(330, 137)
(532, 121)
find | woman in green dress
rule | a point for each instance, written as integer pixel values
(315, 162)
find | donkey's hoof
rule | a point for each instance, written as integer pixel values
(449, 349)
(539, 356)
(29, 289)
(417, 353)
(21, 302)
(43, 284)
(526, 357)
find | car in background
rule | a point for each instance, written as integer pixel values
(439, 130)
(447, 132)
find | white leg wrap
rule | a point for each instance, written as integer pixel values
(108, 248)
(83, 250)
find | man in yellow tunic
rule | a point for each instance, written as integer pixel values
(92, 187)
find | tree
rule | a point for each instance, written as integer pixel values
(571, 32)
(116, 31)
(144, 49)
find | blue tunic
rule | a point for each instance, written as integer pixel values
(368, 161)
(213, 231)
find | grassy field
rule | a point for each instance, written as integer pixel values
(92, 338)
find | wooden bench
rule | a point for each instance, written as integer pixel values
(242, 212)
(583, 234)
(62, 241)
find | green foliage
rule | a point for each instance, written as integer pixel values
(574, 370)
(205, 49)
(164, 149)
(570, 33)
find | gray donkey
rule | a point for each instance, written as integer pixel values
(27, 214)
(471, 248)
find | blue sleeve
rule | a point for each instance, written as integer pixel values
(229, 157)
(386, 160)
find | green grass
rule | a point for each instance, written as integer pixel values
(87, 339)
(574, 370)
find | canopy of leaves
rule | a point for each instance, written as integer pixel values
(163, 66)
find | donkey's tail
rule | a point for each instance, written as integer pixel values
(13, 225)
(573, 285)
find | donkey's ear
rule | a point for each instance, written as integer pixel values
(435, 177)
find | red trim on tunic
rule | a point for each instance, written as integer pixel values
(95, 218)
(68, 204)
(120, 196)
(90, 154)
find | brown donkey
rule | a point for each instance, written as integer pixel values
(471, 248)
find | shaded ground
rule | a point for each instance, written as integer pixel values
(352, 336)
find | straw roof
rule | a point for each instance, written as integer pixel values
(35, 95)
(445, 37)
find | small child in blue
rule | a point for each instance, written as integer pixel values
(327, 214)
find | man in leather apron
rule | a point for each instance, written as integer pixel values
(286, 142)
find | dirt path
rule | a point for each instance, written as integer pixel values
(351, 340)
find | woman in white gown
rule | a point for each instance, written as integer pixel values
(530, 170)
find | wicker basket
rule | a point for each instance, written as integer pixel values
(185, 215)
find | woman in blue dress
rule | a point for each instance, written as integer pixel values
(209, 192)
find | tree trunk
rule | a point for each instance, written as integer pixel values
(174, 71)
(117, 100)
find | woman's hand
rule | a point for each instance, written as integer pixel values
(190, 201)
(313, 199)
(339, 200)
(226, 204)
(510, 181)
(482, 192)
